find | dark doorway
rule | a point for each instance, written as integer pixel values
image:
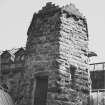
(41, 90)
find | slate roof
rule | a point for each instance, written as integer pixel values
(12, 52)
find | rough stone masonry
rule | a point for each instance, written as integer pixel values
(55, 68)
(56, 60)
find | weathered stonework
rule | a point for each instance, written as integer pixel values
(12, 72)
(57, 46)
(56, 52)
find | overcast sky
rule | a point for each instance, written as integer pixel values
(15, 17)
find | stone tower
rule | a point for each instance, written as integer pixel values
(56, 65)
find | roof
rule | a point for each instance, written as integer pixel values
(12, 52)
(19, 49)
(91, 54)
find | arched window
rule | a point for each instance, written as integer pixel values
(22, 58)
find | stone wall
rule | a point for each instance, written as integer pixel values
(57, 46)
(12, 73)
(43, 47)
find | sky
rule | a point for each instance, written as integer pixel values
(16, 15)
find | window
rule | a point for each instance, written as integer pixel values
(22, 57)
